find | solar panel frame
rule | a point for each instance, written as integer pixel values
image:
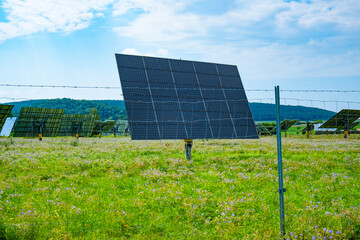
(338, 120)
(305, 129)
(5, 111)
(261, 129)
(25, 125)
(177, 99)
(71, 124)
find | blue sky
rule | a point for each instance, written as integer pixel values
(294, 44)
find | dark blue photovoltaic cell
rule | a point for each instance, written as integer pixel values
(130, 62)
(228, 70)
(176, 99)
(205, 68)
(182, 66)
(157, 64)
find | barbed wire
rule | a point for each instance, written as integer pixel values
(114, 87)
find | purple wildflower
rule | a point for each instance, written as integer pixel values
(330, 231)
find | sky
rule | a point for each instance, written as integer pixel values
(293, 44)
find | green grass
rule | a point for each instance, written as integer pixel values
(116, 188)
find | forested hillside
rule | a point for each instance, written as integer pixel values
(115, 109)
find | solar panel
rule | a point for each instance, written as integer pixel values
(32, 121)
(285, 125)
(177, 99)
(354, 124)
(261, 129)
(102, 127)
(8, 126)
(309, 127)
(81, 124)
(342, 119)
(121, 127)
(5, 110)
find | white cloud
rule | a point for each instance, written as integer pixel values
(131, 51)
(160, 52)
(263, 37)
(344, 14)
(31, 16)
(160, 21)
(253, 34)
(166, 21)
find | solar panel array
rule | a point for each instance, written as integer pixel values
(345, 116)
(5, 110)
(29, 119)
(71, 124)
(177, 99)
(102, 127)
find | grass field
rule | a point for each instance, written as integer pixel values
(116, 188)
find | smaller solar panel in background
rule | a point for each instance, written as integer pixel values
(262, 130)
(25, 125)
(8, 126)
(177, 99)
(71, 122)
(121, 127)
(285, 125)
(344, 116)
(105, 127)
(5, 111)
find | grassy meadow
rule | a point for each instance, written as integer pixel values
(111, 188)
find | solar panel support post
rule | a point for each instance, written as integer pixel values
(115, 130)
(40, 124)
(188, 147)
(281, 189)
(346, 128)
(77, 132)
(308, 129)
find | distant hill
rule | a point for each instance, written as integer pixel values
(266, 112)
(115, 109)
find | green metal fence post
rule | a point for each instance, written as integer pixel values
(280, 169)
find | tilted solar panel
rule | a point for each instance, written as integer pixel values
(72, 124)
(121, 127)
(177, 99)
(342, 119)
(32, 121)
(102, 127)
(285, 125)
(261, 129)
(5, 110)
